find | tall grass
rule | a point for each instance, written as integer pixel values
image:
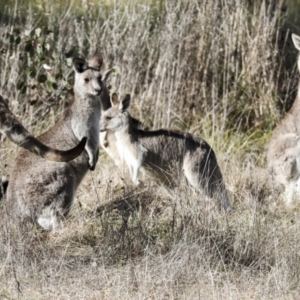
(219, 69)
(175, 59)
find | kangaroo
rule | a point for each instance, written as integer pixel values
(107, 138)
(15, 131)
(43, 191)
(153, 152)
(283, 154)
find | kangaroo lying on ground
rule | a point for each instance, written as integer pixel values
(153, 152)
(284, 147)
(43, 191)
(15, 131)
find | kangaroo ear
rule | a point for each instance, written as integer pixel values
(115, 69)
(96, 62)
(124, 104)
(114, 99)
(79, 65)
(107, 73)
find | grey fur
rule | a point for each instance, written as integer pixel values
(284, 148)
(158, 152)
(107, 138)
(14, 130)
(43, 191)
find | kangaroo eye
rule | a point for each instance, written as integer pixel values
(108, 118)
(86, 80)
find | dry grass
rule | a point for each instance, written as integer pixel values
(219, 69)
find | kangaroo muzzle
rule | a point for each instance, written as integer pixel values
(98, 91)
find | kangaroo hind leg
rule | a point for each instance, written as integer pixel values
(203, 173)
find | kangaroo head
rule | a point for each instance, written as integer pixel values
(296, 41)
(116, 117)
(88, 79)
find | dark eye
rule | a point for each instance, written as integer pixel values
(108, 118)
(86, 80)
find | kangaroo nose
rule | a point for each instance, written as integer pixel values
(97, 91)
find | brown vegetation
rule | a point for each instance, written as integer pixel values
(222, 70)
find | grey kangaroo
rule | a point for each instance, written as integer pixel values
(107, 138)
(43, 191)
(284, 147)
(153, 152)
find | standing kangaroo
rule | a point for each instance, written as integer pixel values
(155, 152)
(43, 191)
(107, 138)
(284, 148)
(15, 131)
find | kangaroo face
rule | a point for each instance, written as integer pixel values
(116, 117)
(112, 120)
(88, 79)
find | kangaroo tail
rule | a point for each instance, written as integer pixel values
(15, 131)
